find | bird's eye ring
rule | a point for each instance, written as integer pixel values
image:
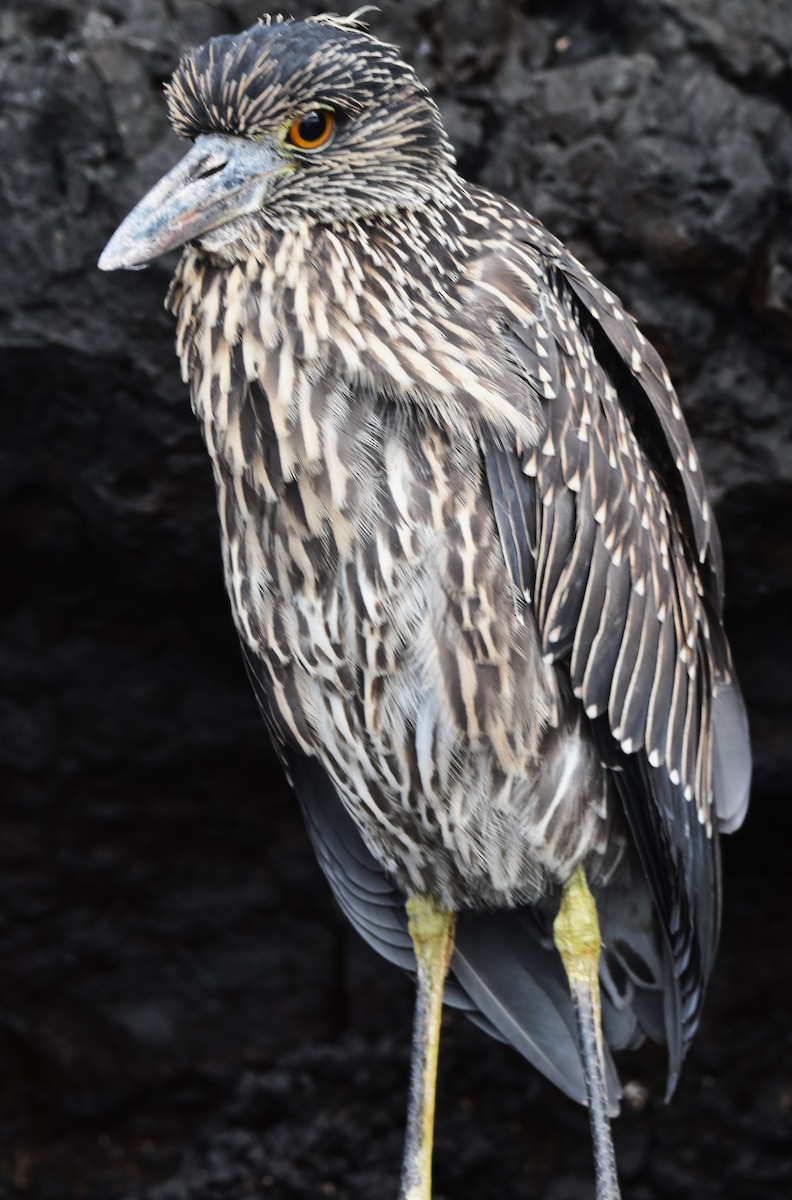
(312, 130)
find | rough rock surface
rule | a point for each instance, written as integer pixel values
(182, 1014)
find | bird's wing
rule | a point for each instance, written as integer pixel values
(373, 905)
(608, 536)
(507, 965)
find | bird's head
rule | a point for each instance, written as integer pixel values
(291, 122)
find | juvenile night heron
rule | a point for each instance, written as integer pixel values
(470, 559)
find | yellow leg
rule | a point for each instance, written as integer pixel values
(432, 933)
(577, 938)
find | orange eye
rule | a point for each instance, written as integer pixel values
(313, 130)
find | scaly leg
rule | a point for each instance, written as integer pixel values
(432, 933)
(577, 938)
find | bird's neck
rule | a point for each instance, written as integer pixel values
(275, 346)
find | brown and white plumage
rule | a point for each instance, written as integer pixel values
(466, 540)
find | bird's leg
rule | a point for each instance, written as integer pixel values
(577, 938)
(432, 933)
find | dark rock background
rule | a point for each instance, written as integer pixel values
(182, 1013)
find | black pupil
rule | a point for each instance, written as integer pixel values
(313, 126)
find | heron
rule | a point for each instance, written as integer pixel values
(470, 557)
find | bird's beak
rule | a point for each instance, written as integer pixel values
(218, 179)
